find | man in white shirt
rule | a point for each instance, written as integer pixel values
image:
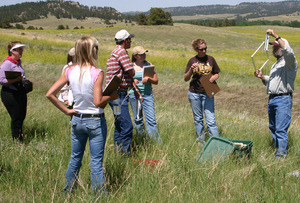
(280, 87)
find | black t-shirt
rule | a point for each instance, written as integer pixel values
(207, 64)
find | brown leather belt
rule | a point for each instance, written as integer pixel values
(280, 94)
(123, 89)
(89, 115)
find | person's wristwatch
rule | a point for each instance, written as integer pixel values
(278, 38)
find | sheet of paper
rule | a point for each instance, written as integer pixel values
(267, 42)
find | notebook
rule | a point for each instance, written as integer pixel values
(148, 71)
(12, 74)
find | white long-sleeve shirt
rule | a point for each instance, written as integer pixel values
(283, 72)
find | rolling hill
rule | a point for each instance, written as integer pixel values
(28, 11)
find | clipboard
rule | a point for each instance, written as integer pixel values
(12, 74)
(113, 85)
(211, 88)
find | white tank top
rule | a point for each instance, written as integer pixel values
(83, 90)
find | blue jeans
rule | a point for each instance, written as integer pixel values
(280, 117)
(123, 125)
(200, 103)
(149, 110)
(95, 130)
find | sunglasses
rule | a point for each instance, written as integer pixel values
(204, 49)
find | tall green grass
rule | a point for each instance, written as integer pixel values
(34, 171)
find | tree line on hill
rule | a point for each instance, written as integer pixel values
(156, 17)
(210, 23)
(20, 13)
(242, 11)
(247, 9)
(238, 22)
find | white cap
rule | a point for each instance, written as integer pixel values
(122, 35)
(17, 46)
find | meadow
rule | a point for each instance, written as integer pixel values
(283, 18)
(34, 171)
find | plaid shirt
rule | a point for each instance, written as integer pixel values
(118, 64)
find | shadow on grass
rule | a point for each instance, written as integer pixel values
(117, 163)
(115, 173)
(291, 136)
(34, 131)
(5, 169)
(138, 141)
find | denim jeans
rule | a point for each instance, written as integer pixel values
(95, 130)
(200, 103)
(280, 117)
(149, 110)
(123, 125)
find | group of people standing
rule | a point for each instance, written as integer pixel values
(139, 89)
(88, 119)
(86, 82)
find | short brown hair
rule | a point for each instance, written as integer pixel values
(10, 45)
(197, 42)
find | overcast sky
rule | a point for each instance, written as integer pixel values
(133, 5)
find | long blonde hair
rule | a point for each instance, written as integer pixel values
(86, 50)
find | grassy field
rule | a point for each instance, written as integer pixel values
(51, 23)
(282, 18)
(34, 171)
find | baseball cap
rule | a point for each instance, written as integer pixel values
(138, 50)
(122, 35)
(72, 52)
(17, 46)
(274, 43)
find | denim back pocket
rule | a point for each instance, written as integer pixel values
(93, 123)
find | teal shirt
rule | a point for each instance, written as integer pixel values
(143, 89)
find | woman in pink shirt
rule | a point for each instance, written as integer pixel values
(13, 94)
(88, 121)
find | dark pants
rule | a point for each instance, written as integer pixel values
(16, 105)
(123, 125)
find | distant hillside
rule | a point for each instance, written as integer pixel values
(253, 10)
(61, 9)
(68, 9)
